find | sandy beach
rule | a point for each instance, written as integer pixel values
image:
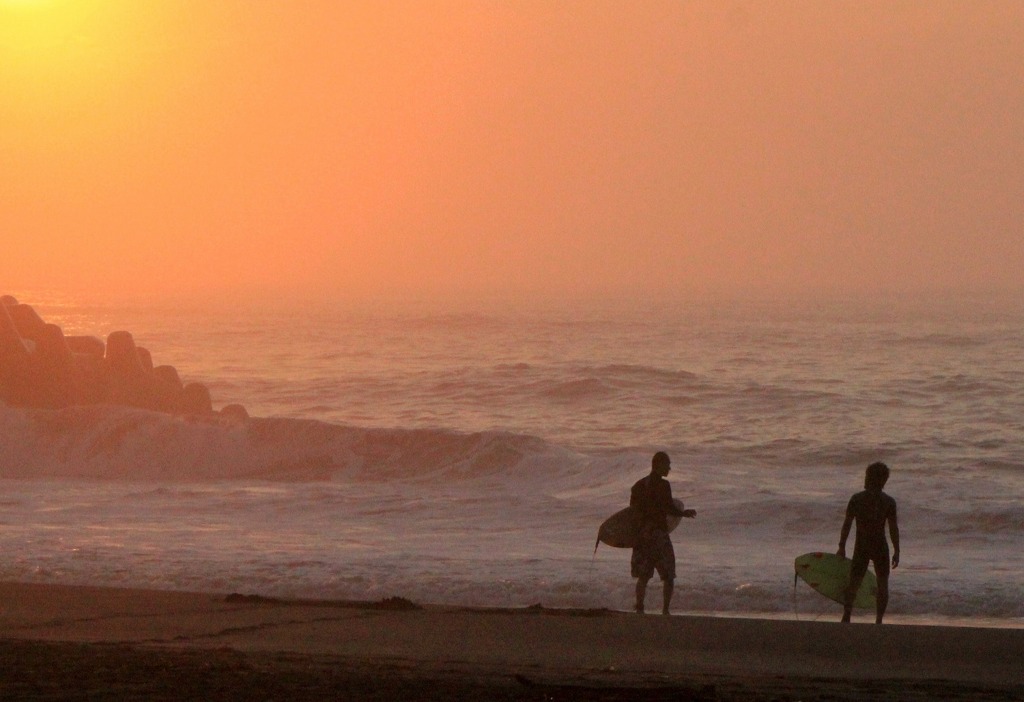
(59, 642)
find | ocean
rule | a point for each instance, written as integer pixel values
(468, 457)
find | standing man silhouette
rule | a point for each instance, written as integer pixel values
(871, 509)
(651, 496)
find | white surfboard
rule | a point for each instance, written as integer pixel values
(622, 528)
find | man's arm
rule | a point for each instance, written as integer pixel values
(844, 533)
(665, 501)
(894, 534)
(671, 508)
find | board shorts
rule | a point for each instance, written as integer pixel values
(653, 552)
(879, 555)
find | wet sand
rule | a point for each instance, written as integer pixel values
(60, 642)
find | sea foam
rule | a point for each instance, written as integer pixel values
(124, 443)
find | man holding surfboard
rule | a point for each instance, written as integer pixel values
(651, 498)
(872, 509)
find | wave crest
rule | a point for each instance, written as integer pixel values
(122, 443)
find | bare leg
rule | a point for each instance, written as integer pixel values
(882, 598)
(641, 593)
(856, 578)
(666, 595)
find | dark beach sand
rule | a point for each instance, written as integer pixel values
(61, 642)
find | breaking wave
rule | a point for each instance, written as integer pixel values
(103, 442)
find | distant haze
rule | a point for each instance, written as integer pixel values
(520, 150)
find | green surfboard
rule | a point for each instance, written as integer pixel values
(828, 574)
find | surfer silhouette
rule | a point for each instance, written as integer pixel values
(871, 509)
(651, 496)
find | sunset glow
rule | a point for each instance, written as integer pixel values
(510, 150)
(345, 342)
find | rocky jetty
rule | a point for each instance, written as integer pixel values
(42, 368)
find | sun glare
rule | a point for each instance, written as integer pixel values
(25, 4)
(63, 57)
(33, 31)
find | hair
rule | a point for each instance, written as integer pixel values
(875, 476)
(659, 458)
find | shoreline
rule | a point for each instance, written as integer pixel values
(864, 616)
(860, 616)
(361, 650)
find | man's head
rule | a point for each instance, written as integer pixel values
(875, 476)
(661, 464)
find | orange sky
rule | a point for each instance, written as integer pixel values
(456, 150)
